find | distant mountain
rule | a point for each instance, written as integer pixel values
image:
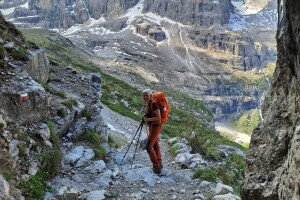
(200, 47)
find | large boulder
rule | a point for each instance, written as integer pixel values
(38, 66)
(23, 100)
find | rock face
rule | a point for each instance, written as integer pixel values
(63, 14)
(203, 13)
(23, 100)
(241, 52)
(38, 67)
(277, 137)
(147, 28)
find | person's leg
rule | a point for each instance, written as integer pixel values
(157, 151)
(152, 139)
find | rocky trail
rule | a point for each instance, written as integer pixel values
(83, 177)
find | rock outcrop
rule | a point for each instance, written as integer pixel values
(23, 100)
(153, 31)
(273, 159)
(239, 51)
(202, 13)
(64, 14)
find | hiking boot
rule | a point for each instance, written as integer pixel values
(156, 171)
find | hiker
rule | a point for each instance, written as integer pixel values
(153, 118)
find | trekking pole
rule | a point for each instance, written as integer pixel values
(136, 146)
(140, 127)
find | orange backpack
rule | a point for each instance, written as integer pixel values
(164, 106)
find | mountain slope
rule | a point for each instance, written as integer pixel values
(187, 45)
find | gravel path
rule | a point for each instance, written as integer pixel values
(139, 182)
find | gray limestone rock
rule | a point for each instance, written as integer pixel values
(222, 189)
(104, 179)
(96, 195)
(38, 67)
(29, 110)
(74, 155)
(4, 188)
(96, 167)
(228, 196)
(3, 124)
(71, 194)
(227, 150)
(88, 155)
(13, 148)
(44, 131)
(34, 166)
(9, 45)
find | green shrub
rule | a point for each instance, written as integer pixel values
(8, 175)
(172, 149)
(19, 54)
(87, 114)
(92, 138)
(2, 51)
(22, 135)
(2, 64)
(53, 91)
(61, 93)
(207, 174)
(22, 149)
(61, 112)
(35, 187)
(231, 172)
(50, 164)
(70, 103)
(112, 143)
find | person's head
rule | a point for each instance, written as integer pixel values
(147, 93)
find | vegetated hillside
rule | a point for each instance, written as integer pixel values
(189, 117)
(247, 122)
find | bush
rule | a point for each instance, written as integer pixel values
(112, 143)
(53, 91)
(61, 112)
(19, 54)
(92, 138)
(87, 114)
(172, 150)
(2, 51)
(35, 187)
(231, 172)
(51, 159)
(70, 103)
(207, 174)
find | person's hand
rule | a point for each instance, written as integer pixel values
(145, 119)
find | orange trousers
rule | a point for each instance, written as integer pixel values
(152, 146)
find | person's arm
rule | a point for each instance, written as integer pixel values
(156, 118)
(156, 112)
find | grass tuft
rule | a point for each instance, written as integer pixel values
(92, 138)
